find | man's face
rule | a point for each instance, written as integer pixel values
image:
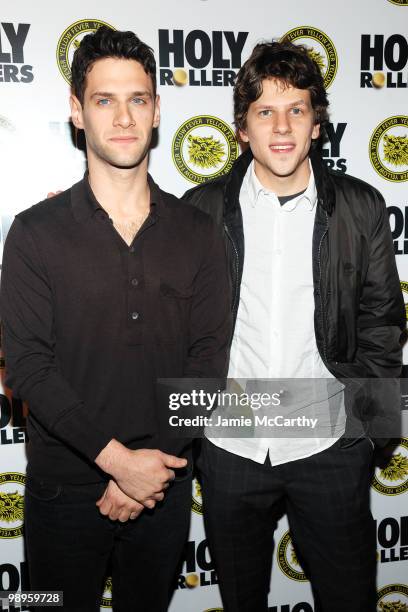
(118, 113)
(279, 129)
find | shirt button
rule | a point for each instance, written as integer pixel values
(134, 282)
(132, 249)
(135, 315)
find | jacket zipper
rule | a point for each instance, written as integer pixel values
(323, 321)
(236, 268)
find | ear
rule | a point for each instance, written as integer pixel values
(156, 117)
(316, 131)
(243, 135)
(76, 112)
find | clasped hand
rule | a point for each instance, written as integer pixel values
(140, 478)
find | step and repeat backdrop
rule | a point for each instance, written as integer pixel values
(362, 48)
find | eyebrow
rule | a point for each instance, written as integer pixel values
(290, 104)
(109, 94)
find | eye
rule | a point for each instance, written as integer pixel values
(138, 101)
(296, 110)
(103, 102)
(266, 112)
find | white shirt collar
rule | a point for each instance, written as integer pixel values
(255, 188)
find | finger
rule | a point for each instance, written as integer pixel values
(105, 508)
(116, 510)
(136, 512)
(101, 499)
(124, 516)
(173, 462)
(170, 475)
(149, 503)
(158, 496)
(137, 509)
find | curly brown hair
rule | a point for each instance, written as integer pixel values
(106, 42)
(289, 63)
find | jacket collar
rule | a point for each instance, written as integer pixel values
(234, 181)
(326, 194)
(324, 184)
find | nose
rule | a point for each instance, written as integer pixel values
(123, 117)
(281, 123)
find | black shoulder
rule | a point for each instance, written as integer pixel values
(360, 201)
(206, 190)
(209, 197)
(46, 210)
(354, 185)
(180, 209)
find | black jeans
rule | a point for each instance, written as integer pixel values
(327, 504)
(69, 544)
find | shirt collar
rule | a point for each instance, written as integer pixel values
(255, 189)
(253, 185)
(85, 205)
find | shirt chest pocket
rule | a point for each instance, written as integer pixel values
(175, 302)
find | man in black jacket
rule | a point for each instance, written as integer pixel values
(105, 288)
(317, 296)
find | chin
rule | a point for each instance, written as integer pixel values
(124, 162)
(283, 172)
(126, 165)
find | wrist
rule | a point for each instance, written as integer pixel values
(112, 457)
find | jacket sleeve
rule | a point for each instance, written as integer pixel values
(381, 322)
(29, 347)
(381, 317)
(210, 315)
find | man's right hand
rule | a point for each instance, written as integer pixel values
(118, 506)
(142, 474)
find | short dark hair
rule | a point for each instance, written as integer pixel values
(287, 62)
(106, 42)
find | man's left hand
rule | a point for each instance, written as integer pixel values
(117, 505)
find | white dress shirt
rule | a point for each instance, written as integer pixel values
(274, 335)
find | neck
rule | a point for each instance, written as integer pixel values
(284, 185)
(122, 192)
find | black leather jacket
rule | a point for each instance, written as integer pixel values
(359, 309)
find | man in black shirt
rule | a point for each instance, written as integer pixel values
(107, 287)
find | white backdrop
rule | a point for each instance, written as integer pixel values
(200, 44)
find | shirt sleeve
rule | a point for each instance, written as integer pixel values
(28, 339)
(210, 316)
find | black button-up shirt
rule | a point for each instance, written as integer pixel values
(90, 323)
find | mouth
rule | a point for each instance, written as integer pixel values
(282, 147)
(123, 139)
